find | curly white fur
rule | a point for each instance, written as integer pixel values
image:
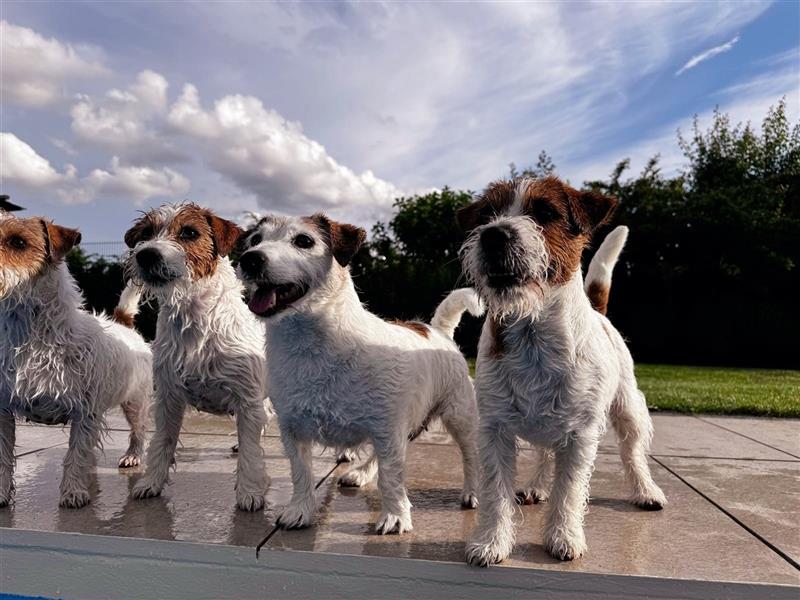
(59, 364)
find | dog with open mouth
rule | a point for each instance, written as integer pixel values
(551, 367)
(209, 348)
(341, 376)
(60, 363)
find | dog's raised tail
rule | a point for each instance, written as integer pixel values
(598, 276)
(128, 305)
(448, 313)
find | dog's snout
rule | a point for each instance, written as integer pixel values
(494, 240)
(252, 263)
(147, 257)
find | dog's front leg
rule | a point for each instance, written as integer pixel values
(537, 488)
(493, 539)
(84, 435)
(251, 473)
(161, 451)
(7, 438)
(395, 506)
(563, 535)
(301, 511)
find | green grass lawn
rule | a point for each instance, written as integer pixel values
(722, 391)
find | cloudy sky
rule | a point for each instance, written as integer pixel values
(108, 108)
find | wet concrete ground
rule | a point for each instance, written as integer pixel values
(733, 485)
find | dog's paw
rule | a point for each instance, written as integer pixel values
(297, 515)
(532, 496)
(75, 498)
(392, 523)
(235, 448)
(128, 461)
(654, 500)
(250, 502)
(347, 456)
(145, 488)
(564, 547)
(485, 554)
(6, 491)
(469, 500)
(5, 499)
(354, 478)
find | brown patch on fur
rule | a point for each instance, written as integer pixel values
(567, 218)
(494, 201)
(598, 296)
(226, 233)
(415, 326)
(496, 329)
(344, 240)
(32, 256)
(60, 240)
(123, 318)
(143, 229)
(201, 252)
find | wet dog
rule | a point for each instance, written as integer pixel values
(551, 368)
(209, 349)
(59, 363)
(341, 376)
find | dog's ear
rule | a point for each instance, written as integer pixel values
(591, 209)
(226, 234)
(344, 239)
(142, 230)
(468, 217)
(60, 240)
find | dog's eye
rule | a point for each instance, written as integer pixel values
(146, 234)
(543, 212)
(303, 241)
(17, 242)
(255, 240)
(188, 234)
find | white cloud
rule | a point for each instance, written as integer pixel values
(271, 157)
(36, 68)
(127, 183)
(20, 164)
(127, 122)
(708, 54)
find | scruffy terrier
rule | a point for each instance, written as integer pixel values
(341, 376)
(209, 349)
(551, 368)
(59, 363)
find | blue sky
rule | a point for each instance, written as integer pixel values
(108, 108)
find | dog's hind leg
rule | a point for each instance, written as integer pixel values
(84, 437)
(537, 488)
(362, 474)
(301, 510)
(251, 473)
(493, 539)
(136, 415)
(7, 438)
(634, 428)
(161, 451)
(461, 421)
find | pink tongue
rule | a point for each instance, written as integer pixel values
(262, 301)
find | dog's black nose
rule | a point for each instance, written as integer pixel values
(147, 257)
(495, 239)
(252, 263)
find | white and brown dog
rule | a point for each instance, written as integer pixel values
(59, 363)
(341, 376)
(209, 349)
(551, 368)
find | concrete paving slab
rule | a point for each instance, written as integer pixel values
(199, 504)
(783, 434)
(765, 496)
(685, 435)
(681, 541)
(32, 438)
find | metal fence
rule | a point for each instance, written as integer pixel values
(106, 250)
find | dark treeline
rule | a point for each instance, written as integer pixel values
(707, 277)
